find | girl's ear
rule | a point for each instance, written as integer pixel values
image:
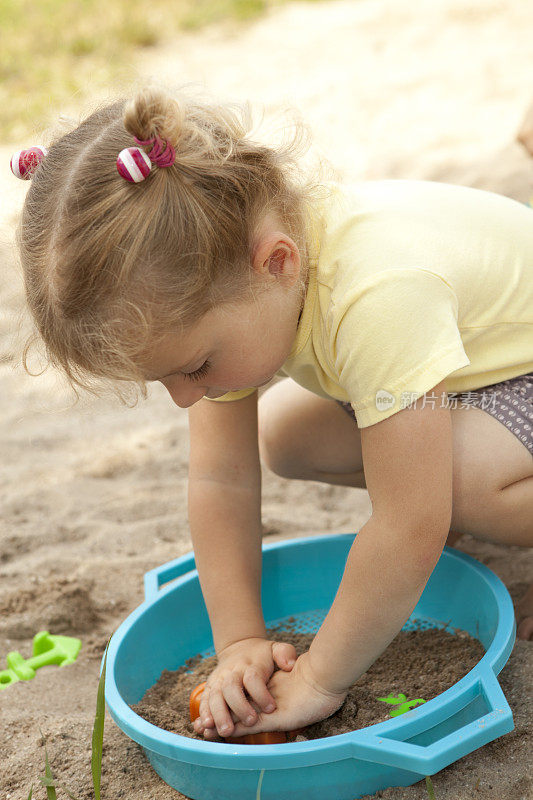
(279, 258)
(276, 262)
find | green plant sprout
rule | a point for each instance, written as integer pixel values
(403, 703)
(49, 782)
(47, 649)
(429, 787)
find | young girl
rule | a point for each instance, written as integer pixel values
(161, 243)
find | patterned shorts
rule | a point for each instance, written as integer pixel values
(510, 402)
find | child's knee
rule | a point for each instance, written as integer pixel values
(278, 431)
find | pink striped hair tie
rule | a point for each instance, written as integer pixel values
(24, 162)
(162, 153)
(134, 164)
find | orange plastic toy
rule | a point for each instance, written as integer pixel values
(270, 737)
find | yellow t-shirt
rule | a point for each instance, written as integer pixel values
(410, 283)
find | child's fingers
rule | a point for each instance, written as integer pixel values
(284, 655)
(223, 702)
(257, 689)
(206, 717)
(219, 711)
(211, 735)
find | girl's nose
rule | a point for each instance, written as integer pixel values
(184, 396)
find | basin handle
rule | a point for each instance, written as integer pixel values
(155, 578)
(429, 759)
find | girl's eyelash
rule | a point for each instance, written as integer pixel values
(198, 373)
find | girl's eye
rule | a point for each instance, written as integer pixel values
(198, 373)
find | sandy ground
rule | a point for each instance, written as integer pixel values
(94, 495)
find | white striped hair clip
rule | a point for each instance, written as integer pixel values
(134, 165)
(24, 162)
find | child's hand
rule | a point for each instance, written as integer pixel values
(244, 665)
(300, 702)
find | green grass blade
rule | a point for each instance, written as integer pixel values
(98, 730)
(31, 792)
(50, 786)
(51, 782)
(429, 786)
(48, 780)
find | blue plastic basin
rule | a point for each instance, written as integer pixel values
(300, 579)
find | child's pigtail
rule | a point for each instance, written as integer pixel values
(154, 120)
(151, 114)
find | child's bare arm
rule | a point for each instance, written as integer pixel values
(408, 470)
(224, 499)
(225, 522)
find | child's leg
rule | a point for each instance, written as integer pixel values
(510, 402)
(308, 437)
(312, 438)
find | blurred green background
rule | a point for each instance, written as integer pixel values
(54, 52)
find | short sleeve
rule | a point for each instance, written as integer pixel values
(393, 338)
(233, 395)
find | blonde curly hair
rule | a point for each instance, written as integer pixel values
(111, 267)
